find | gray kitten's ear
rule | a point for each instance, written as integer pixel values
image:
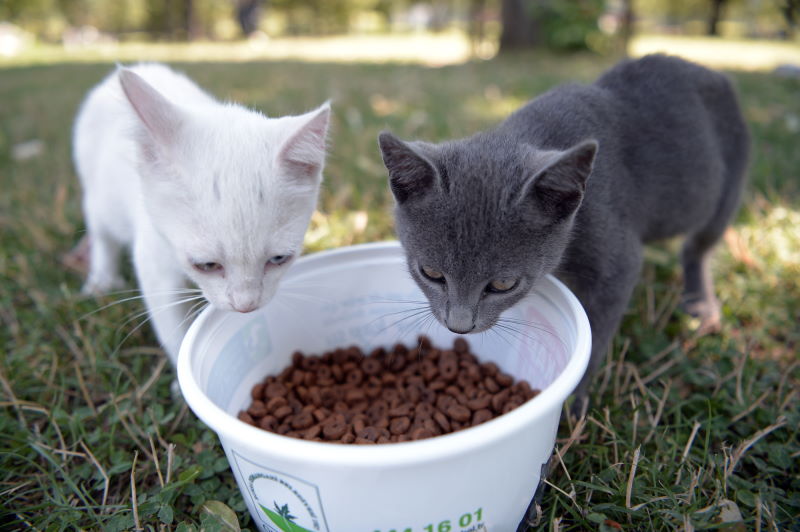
(410, 173)
(559, 186)
(160, 117)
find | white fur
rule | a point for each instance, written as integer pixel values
(180, 178)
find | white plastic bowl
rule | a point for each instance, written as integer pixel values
(481, 478)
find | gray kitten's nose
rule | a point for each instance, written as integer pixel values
(460, 320)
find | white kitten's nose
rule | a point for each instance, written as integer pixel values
(244, 304)
(244, 309)
(244, 295)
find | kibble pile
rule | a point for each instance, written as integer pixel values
(400, 395)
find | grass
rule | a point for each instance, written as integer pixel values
(684, 431)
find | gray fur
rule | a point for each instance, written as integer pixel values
(574, 183)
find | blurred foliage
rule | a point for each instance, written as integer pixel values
(568, 25)
(552, 24)
(739, 18)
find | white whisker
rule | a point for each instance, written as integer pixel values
(140, 296)
(517, 325)
(150, 313)
(413, 315)
(518, 333)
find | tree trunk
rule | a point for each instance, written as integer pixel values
(247, 14)
(791, 14)
(477, 26)
(193, 30)
(626, 28)
(520, 29)
(715, 16)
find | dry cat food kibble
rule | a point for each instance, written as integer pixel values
(400, 395)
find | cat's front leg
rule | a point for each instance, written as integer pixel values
(604, 294)
(101, 256)
(162, 283)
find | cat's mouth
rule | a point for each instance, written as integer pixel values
(459, 331)
(468, 328)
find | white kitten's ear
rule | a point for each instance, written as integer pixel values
(160, 117)
(410, 173)
(559, 186)
(303, 155)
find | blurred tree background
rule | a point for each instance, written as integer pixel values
(599, 25)
(685, 429)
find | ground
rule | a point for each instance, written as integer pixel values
(684, 430)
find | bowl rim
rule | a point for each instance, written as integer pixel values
(238, 434)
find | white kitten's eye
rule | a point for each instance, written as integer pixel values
(433, 275)
(279, 259)
(501, 285)
(207, 267)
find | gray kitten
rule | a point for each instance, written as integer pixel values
(573, 184)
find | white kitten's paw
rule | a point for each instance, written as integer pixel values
(99, 287)
(78, 258)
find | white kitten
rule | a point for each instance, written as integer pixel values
(200, 190)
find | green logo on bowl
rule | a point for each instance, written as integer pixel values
(284, 503)
(283, 519)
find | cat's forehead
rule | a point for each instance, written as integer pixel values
(465, 239)
(484, 156)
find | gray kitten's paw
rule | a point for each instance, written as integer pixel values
(579, 407)
(707, 312)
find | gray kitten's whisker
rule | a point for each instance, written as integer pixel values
(519, 333)
(526, 323)
(413, 315)
(430, 322)
(399, 323)
(503, 333)
(404, 311)
(512, 324)
(421, 305)
(400, 301)
(415, 324)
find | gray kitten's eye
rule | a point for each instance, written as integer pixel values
(501, 285)
(279, 259)
(432, 274)
(207, 267)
